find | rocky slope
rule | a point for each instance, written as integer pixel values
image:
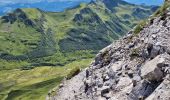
(136, 67)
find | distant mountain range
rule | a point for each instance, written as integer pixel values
(85, 27)
(38, 48)
(57, 6)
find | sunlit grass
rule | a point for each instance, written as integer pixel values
(36, 83)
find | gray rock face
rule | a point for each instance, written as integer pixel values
(70, 89)
(152, 70)
(162, 92)
(131, 68)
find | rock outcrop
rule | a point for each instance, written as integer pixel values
(136, 67)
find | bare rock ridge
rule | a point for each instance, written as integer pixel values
(136, 67)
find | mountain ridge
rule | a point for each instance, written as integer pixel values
(135, 67)
(43, 18)
(39, 48)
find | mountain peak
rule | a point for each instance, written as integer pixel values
(113, 1)
(26, 15)
(136, 67)
(111, 4)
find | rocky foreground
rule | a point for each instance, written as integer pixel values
(133, 68)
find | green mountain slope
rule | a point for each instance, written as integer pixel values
(86, 27)
(59, 41)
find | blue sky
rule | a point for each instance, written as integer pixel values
(46, 5)
(5, 2)
(150, 2)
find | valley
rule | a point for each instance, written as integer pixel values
(39, 48)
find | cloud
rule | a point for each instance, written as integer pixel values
(7, 10)
(5, 2)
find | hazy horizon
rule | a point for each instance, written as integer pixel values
(55, 5)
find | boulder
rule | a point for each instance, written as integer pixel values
(105, 77)
(88, 81)
(117, 66)
(155, 51)
(130, 73)
(131, 45)
(108, 95)
(101, 98)
(137, 78)
(105, 90)
(154, 36)
(123, 82)
(151, 71)
(99, 82)
(61, 85)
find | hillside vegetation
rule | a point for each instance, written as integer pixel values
(38, 49)
(135, 67)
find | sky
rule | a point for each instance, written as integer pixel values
(48, 5)
(149, 2)
(6, 2)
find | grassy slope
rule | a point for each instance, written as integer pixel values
(35, 83)
(160, 12)
(64, 40)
